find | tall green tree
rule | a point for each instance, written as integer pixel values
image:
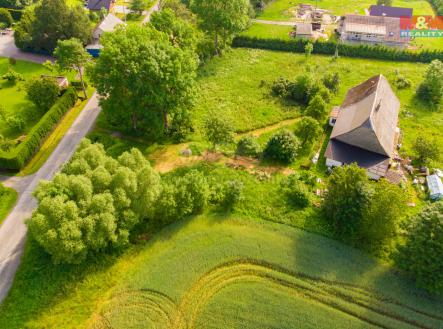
(308, 129)
(43, 92)
(143, 79)
(317, 108)
(422, 254)
(222, 18)
(71, 55)
(44, 24)
(218, 130)
(431, 89)
(347, 200)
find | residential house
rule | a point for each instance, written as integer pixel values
(365, 131)
(108, 24)
(97, 5)
(387, 11)
(376, 30)
(435, 187)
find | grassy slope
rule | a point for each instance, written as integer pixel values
(238, 86)
(7, 201)
(245, 274)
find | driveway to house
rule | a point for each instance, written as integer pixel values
(13, 229)
(8, 49)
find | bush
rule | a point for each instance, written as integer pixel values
(297, 192)
(332, 82)
(283, 146)
(431, 89)
(15, 122)
(280, 87)
(231, 194)
(317, 109)
(401, 82)
(5, 17)
(248, 146)
(17, 158)
(78, 84)
(181, 126)
(43, 92)
(330, 47)
(422, 254)
(12, 76)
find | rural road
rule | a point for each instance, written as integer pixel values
(13, 229)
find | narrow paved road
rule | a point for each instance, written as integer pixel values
(13, 230)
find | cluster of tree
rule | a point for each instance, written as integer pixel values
(6, 19)
(156, 85)
(96, 202)
(421, 256)
(361, 212)
(16, 4)
(310, 91)
(438, 5)
(431, 89)
(49, 21)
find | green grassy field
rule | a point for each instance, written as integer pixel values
(14, 99)
(281, 9)
(8, 197)
(220, 272)
(238, 85)
(268, 31)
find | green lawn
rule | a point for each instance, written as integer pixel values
(267, 31)
(238, 86)
(8, 197)
(281, 9)
(13, 96)
(219, 272)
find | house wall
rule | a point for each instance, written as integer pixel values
(97, 34)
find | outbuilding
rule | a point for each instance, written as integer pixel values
(435, 187)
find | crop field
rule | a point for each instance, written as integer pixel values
(238, 85)
(226, 273)
(283, 9)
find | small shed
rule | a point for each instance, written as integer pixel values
(435, 187)
(304, 31)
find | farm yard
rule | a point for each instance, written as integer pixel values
(234, 273)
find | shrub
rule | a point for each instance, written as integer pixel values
(181, 126)
(43, 92)
(431, 89)
(317, 109)
(17, 158)
(283, 146)
(332, 82)
(422, 254)
(248, 146)
(280, 87)
(231, 194)
(308, 129)
(12, 76)
(297, 192)
(218, 130)
(426, 149)
(16, 122)
(5, 17)
(401, 82)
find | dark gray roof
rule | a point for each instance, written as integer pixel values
(348, 154)
(99, 4)
(390, 11)
(369, 116)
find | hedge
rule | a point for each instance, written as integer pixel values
(17, 158)
(15, 13)
(330, 47)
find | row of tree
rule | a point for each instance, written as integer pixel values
(96, 202)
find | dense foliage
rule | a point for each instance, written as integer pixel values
(307, 130)
(94, 203)
(422, 254)
(157, 81)
(218, 130)
(16, 158)
(296, 191)
(431, 89)
(283, 147)
(426, 149)
(43, 92)
(331, 47)
(221, 18)
(49, 21)
(5, 18)
(360, 212)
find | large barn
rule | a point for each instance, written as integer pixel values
(365, 131)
